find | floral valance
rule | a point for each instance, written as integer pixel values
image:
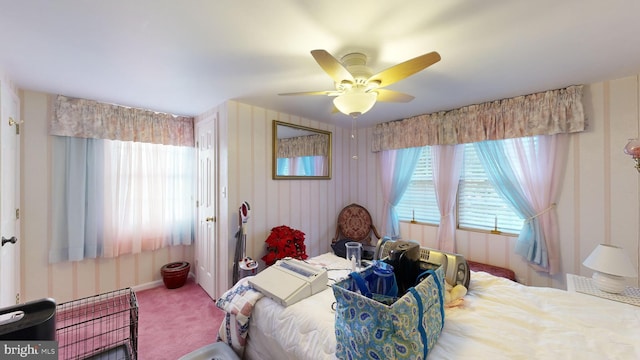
(545, 113)
(91, 119)
(310, 145)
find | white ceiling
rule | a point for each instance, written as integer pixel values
(185, 57)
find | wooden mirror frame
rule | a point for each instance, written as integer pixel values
(288, 130)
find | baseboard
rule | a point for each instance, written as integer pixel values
(153, 284)
(146, 286)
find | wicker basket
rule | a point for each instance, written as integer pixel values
(174, 274)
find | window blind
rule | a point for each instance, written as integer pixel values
(419, 201)
(479, 205)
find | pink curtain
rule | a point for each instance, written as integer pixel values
(447, 164)
(320, 165)
(387, 162)
(540, 170)
(140, 188)
(545, 113)
(148, 197)
(294, 166)
(398, 166)
(94, 120)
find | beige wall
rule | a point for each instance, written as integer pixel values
(307, 205)
(312, 206)
(600, 199)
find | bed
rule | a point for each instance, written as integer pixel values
(499, 319)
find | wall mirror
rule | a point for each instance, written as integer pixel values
(300, 152)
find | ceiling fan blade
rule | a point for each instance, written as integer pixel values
(405, 69)
(326, 92)
(393, 96)
(332, 66)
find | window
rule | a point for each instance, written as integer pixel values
(152, 191)
(115, 197)
(419, 200)
(479, 205)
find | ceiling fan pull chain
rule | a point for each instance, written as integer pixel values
(354, 138)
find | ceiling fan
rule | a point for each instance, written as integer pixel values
(357, 88)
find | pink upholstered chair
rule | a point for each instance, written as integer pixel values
(355, 224)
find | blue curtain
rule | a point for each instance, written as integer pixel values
(400, 163)
(531, 243)
(308, 165)
(282, 166)
(77, 199)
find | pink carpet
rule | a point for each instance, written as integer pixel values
(175, 322)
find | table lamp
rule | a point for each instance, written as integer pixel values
(611, 265)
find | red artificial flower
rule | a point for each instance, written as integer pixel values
(284, 242)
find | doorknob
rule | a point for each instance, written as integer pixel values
(13, 240)
(210, 219)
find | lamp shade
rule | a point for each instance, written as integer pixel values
(355, 103)
(612, 260)
(633, 148)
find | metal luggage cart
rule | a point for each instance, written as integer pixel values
(103, 326)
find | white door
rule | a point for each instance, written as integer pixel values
(9, 198)
(206, 250)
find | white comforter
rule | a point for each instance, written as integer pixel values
(499, 319)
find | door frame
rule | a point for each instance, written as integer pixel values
(10, 108)
(207, 125)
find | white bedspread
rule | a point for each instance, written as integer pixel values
(500, 319)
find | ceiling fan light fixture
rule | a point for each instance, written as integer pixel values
(356, 89)
(355, 103)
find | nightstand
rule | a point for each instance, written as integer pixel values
(585, 285)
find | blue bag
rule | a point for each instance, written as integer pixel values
(379, 284)
(404, 329)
